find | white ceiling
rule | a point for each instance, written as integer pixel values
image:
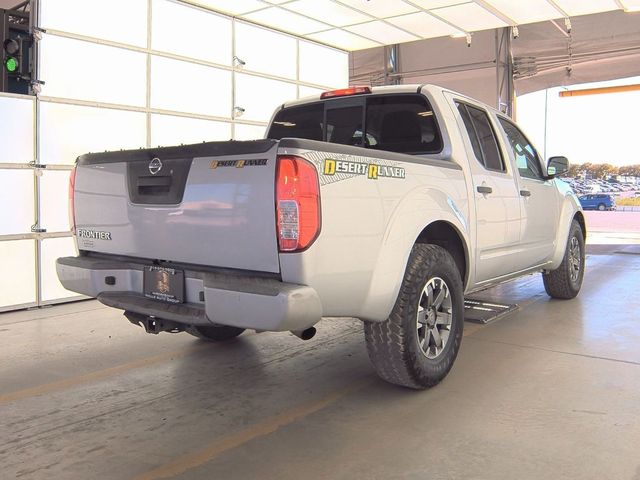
(358, 24)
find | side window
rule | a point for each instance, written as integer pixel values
(402, 123)
(482, 137)
(527, 159)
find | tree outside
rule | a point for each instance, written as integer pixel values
(603, 170)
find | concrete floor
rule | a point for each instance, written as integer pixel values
(552, 391)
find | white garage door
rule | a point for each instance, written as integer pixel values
(163, 74)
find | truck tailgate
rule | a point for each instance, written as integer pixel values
(210, 204)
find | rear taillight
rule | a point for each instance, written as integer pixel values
(297, 203)
(72, 207)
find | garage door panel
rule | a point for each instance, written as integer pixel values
(259, 97)
(16, 190)
(67, 131)
(190, 88)
(54, 211)
(18, 281)
(323, 66)
(122, 21)
(52, 249)
(16, 135)
(190, 32)
(167, 130)
(107, 74)
(249, 132)
(266, 51)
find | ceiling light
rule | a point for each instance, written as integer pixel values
(463, 35)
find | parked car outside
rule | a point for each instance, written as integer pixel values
(597, 201)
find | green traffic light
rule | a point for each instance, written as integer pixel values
(11, 64)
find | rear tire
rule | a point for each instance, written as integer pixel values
(565, 281)
(221, 333)
(417, 345)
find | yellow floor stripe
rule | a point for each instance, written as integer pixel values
(265, 427)
(108, 372)
(97, 375)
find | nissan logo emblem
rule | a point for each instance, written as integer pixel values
(155, 166)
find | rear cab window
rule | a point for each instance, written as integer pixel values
(401, 123)
(305, 121)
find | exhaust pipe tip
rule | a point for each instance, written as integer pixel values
(307, 334)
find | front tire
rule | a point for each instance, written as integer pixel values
(220, 333)
(565, 281)
(601, 207)
(417, 345)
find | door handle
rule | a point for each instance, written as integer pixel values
(525, 193)
(484, 189)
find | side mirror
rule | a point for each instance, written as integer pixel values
(557, 166)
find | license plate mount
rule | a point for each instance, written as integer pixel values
(164, 284)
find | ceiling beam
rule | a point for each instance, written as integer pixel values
(562, 30)
(494, 11)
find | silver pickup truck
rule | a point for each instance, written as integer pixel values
(386, 204)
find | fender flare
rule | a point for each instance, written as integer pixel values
(402, 232)
(571, 210)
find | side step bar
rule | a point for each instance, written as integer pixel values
(481, 311)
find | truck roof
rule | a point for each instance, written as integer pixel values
(408, 88)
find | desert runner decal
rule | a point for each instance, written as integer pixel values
(237, 163)
(373, 171)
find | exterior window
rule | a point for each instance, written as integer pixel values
(482, 137)
(395, 123)
(298, 122)
(344, 126)
(402, 123)
(526, 156)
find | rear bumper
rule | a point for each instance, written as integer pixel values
(229, 299)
